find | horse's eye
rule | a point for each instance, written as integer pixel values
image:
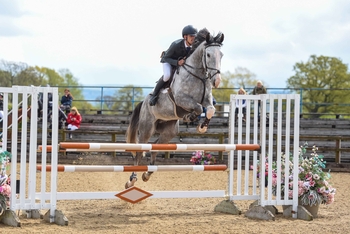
(208, 55)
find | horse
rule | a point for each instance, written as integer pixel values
(189, 91)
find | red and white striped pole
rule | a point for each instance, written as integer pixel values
(78, 146)
(93, 168)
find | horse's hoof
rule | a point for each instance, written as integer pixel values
(130, 183)
(144, 177)
(127, 185)
(201, 130)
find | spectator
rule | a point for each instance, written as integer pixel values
(241, 91)
(1, 106)
(66, 101)
(73, 120)
(259, 89)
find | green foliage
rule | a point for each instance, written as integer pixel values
(125, 96)
(324, 82)
(244, 78)
(71, 82)
(12, 73)
(231, 82)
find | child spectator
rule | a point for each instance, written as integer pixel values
(73, 120)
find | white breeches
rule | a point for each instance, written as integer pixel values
(166, 71)
(72, 127)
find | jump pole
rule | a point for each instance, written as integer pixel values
(155, 147)
(92, 168)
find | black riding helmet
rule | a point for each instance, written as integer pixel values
(189, 30)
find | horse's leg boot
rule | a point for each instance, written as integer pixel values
(154, 97)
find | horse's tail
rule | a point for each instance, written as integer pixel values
(131, 133)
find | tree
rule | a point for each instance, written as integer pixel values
(324, 83)
(126, 96)
(10, 71)
(5, 78)
(27, 77)
(244, 78)
(231, 82)
(108, 101)
(49, 76)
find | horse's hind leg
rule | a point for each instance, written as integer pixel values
(133, 177)
(167, 131)
(145, 132)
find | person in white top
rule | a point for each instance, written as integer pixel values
(241, 104)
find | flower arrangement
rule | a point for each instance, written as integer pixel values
(202, 158)
(313, 185)
(5, 182)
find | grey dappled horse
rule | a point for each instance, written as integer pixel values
(190, 90)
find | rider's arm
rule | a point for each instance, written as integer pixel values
(173, 54)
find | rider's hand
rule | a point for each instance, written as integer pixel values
(181, 62)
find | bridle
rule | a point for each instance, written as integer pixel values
(206, 68)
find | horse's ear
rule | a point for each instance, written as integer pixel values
(219, 38)
(222, 38)
(207, 38)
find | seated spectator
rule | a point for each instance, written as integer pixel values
(241, 91)
(73, 120)
(66, 101)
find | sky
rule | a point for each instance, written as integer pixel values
(114, 42)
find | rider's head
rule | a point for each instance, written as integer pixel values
(189, 34)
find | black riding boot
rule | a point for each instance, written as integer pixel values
(154, 97)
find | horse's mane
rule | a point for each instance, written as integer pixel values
(202, 35)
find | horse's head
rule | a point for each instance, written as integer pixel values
(206, 49)
(212, 58)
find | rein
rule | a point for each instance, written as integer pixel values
(206, 68)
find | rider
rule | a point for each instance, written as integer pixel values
(173, 57)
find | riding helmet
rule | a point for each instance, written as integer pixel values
(189, 30)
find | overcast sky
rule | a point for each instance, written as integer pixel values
(114, 42)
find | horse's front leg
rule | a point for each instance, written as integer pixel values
(133, 177)
(202, 128)
(197, 111)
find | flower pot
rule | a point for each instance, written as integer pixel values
(2, 208)
(312, 209)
